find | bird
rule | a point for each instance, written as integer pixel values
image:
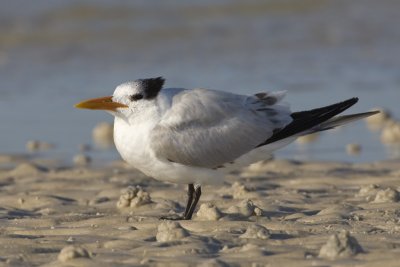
(190, 136)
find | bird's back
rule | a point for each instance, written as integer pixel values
(207, 128)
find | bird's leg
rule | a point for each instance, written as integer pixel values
(189, 200)
(191, 192)
(197, 194)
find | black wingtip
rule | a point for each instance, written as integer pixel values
(347, 103)
(304, 120)
(350, 101)
(353, 100)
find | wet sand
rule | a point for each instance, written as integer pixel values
(276, 213)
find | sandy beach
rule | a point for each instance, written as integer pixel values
(274, 213)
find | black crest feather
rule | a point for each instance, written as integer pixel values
(151, 87)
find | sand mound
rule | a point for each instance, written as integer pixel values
(72, 252)
(257, 232)
(240, 191)
(170, 231)
(133, 196)
(373, 193)
(208, 212)
(378, 120)
(245, 208)
(103, 135)
(387, 195)
(368, 191)
(391, 133)
(25, 169)
(340, 246)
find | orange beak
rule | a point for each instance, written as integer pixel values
(101, 103)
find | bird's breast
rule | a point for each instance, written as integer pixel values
(132, 142)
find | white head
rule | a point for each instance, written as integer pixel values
(128, 97)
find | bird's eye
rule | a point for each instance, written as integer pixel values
(135, 97)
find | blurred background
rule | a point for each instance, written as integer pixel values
(56, 53)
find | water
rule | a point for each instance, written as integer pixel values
(54, 54)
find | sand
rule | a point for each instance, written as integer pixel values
(274, 213)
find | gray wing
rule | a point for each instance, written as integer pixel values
(207, 128)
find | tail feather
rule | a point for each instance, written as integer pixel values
(305, 122)
(340, 120)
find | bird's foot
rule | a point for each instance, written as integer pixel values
(174, 217)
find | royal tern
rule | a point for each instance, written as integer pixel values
(190, 136)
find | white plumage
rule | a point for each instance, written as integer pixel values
(185, 136)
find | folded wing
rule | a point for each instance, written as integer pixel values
(207, 128)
